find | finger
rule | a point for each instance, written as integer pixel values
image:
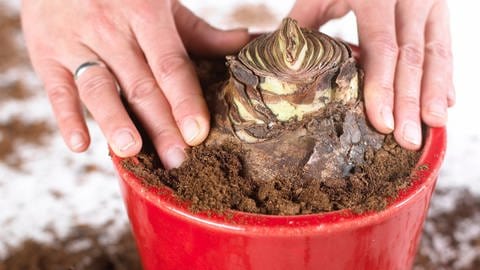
(376, 28)
(176, 76)
(145, 98)
(408, 77)
(98, 91)
(437, 84)
(451, 96)
(63, 96)
(313, 14)
(200, 38)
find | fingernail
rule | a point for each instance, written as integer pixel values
(412, 133)
(387, 117)
(76, 140)
(174, 158)
(437, 109)
(190, 130)
(123, 140)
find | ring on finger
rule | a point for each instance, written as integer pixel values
(84, 66)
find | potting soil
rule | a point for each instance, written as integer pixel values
(213, 178)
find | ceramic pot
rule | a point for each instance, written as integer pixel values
(170, 236)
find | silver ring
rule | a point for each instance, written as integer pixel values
(83, 67)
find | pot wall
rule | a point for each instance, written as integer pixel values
(169, 236)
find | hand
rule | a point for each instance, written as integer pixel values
(143, 43)
(406, 56)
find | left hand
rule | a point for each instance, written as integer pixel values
(406, 55)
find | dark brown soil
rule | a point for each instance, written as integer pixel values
(14, 91)
(10, 52)
(16, 132)
(81, 250)
(213, 177)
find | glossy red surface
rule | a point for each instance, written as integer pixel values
(169, 236)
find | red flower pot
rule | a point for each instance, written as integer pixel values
(170, 236)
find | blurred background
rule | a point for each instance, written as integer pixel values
(52, 200)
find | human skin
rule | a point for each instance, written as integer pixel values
(406, 57)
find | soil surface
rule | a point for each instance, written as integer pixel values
(214, 178)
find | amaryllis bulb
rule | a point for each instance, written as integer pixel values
(285, 75)
(290, 102)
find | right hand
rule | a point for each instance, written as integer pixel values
(406, 54)
(144, 44)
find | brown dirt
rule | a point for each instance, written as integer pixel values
(14, 91)
(213, 177)
(16, 132)
(10, 52)
(80, 250)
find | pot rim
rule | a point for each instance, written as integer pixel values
(164, 199)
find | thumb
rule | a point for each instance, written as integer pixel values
(200, 38)
(313, 14)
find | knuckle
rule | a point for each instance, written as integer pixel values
(379, 94)
(439, 81)
(168, 65)
(163, 133)
(59, 92)
(409, 101)
(104, 31)
(386, 92)
(379, 87)
(384, 43)
(61, 97)
(186, 104)
(144, 16)
(439, 49)
(196, 24)
(336, 9)
(412, 56)
(141, 90)
(385, 89)
(95, 85)
(101, 26)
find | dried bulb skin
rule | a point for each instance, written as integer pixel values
(285, 76)
(291, 101)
